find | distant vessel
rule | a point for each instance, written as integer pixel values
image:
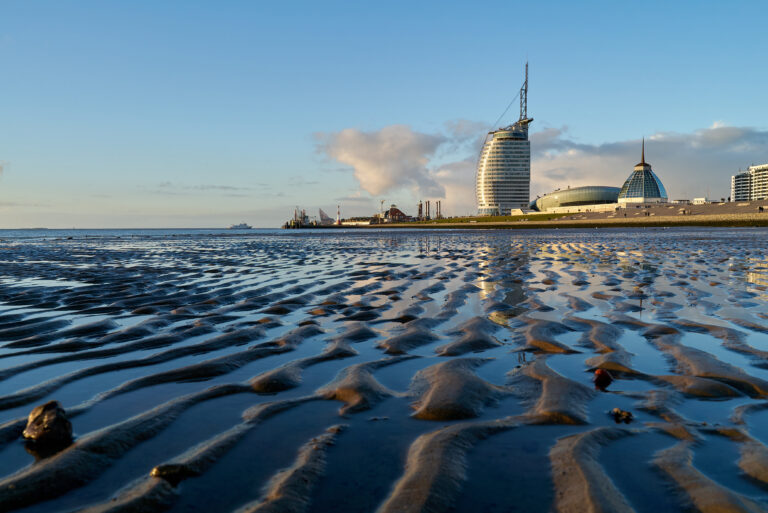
(241, 226)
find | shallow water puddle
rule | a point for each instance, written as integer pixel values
(361, 289)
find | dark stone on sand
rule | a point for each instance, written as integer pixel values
(602, 379)
(48, 425)
(174, 473)
(620, 416)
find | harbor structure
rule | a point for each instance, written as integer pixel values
(751, 185)
(503, 180)
(301, 220)
(642, 186)
(391, 215)
(325, 219)
(395, 215)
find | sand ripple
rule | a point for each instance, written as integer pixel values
(397, 371)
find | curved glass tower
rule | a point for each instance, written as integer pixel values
(503, 180)
(504, 171)
(643, 186)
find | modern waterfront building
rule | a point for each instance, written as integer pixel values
(591, 198)
(643, 186)
(503, 180)
(751, 185)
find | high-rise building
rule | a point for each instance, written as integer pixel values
(751, 185)
(503, 179)
(643, 186)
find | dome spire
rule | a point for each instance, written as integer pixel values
(642, 155)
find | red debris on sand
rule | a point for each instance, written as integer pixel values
(602, 379)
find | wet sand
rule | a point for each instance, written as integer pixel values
(435, 371)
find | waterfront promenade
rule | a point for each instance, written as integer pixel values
(712, 214)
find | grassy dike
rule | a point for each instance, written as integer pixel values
(536, 222)
(493, 219)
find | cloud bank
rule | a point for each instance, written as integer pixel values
(689, 164)
(178, 189)
(395, 157)
(442, 165)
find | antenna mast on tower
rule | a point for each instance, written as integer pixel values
(524, 96)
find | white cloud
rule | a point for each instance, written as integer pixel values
(458, 179)
(390, 159)
(689, 165)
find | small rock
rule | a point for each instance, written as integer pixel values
(602, 379)
(174, 473)
(48, 424)
(620, 416)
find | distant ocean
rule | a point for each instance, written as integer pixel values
(37, 233)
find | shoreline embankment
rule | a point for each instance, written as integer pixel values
(714, 221)
(724, 220)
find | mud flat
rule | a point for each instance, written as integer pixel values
(389, 370)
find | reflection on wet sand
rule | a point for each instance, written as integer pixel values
(396, 371)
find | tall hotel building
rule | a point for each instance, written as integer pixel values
(751, 185)
(504, 169)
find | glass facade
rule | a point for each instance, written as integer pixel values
(643, 186)
(504, 171)
(589, 195)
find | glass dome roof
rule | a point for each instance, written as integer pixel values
(643, 183)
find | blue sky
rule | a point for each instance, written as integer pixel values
(185, 114)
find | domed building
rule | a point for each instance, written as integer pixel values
(590, 197)
(643, 186)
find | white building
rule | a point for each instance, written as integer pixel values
(503, 180)
(751, 185)
(504, 171)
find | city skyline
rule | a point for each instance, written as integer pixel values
(144, 115)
